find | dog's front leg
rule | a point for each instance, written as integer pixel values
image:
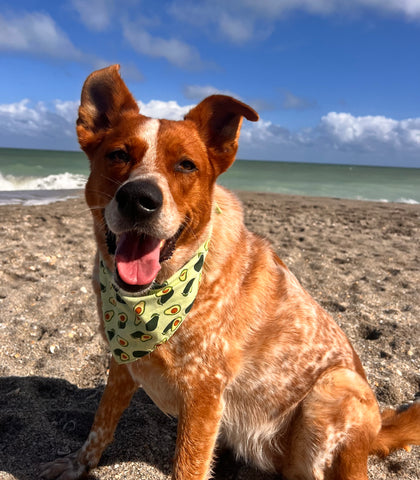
(198, 427)
(115, 399)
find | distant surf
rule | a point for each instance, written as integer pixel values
(34, 177)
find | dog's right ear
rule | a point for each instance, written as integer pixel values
(104, 97)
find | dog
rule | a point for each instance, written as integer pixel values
(249, 360)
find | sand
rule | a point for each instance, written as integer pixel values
(360, 260)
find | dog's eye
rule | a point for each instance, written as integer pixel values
(186, 166)
(119, 156)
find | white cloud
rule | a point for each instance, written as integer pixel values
(238, 30)
(67, 109)
(370, 132)
(362, 139)
(38, 125)
(159, 109)
(38, 34)
(241, 21)
(173, 50)
(95, 14)
(370, 135)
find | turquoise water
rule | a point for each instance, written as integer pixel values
(31, 176)
(338, 181)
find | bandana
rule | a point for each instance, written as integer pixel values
(135, 326)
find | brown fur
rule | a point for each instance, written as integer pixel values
(257, 365)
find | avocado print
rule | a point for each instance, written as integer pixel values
(188, 287)
(139, 353)
(173, 325)
(152, 323)
(144, 337)
(124, 357)
(139, 308)
(112, 301)
(122, 320)
(110, 334)
(122, 341)
(136, 325)
(164, 295)
(199, 265)
(172, 310)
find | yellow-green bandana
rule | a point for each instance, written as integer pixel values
(135, 326)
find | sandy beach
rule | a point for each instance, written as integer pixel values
(360, 260)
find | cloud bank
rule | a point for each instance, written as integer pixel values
(338, 135)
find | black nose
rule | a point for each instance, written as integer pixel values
(139, 200)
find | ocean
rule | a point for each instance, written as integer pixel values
(34, 177)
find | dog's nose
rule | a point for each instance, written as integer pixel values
(139, 199)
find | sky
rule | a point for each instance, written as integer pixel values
(333, 81)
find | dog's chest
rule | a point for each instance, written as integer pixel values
(152, 379)
(185, 364)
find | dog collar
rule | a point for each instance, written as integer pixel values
(135, 326)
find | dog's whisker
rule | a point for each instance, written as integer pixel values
(112, 180)
(100, 192)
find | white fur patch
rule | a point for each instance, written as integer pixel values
(149, 133)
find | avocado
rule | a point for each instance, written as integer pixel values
(199, 265)
(137, 334)
(139, 308)
(108, 315)
(139, 353)
(183, 275)
(188, 287)
(122, 320)
(112, 301)
(152, 323)
(123, 356)
(144, 337)
(164, 298)
(164, 291)
(173, 325)
(110, 334)
(172, 310)
(122, 341)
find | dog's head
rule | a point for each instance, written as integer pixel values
(151, 184)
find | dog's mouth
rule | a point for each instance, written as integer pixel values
(138, 257)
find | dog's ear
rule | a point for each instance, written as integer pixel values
(104, 97)
(219, 119)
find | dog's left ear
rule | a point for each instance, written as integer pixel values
(219, 119)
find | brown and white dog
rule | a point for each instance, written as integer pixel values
(257, 364)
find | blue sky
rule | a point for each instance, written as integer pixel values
(333, 81)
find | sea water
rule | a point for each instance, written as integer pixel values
(33, 177)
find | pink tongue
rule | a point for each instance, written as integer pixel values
(137, 258)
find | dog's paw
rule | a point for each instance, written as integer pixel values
(66, 468)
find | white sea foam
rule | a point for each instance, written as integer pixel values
(62, 181)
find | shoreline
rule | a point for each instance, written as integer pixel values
(30, 198)
(359, 259)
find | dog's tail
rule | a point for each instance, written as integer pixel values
(400, 429)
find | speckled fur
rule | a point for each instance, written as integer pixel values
(257, 365)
